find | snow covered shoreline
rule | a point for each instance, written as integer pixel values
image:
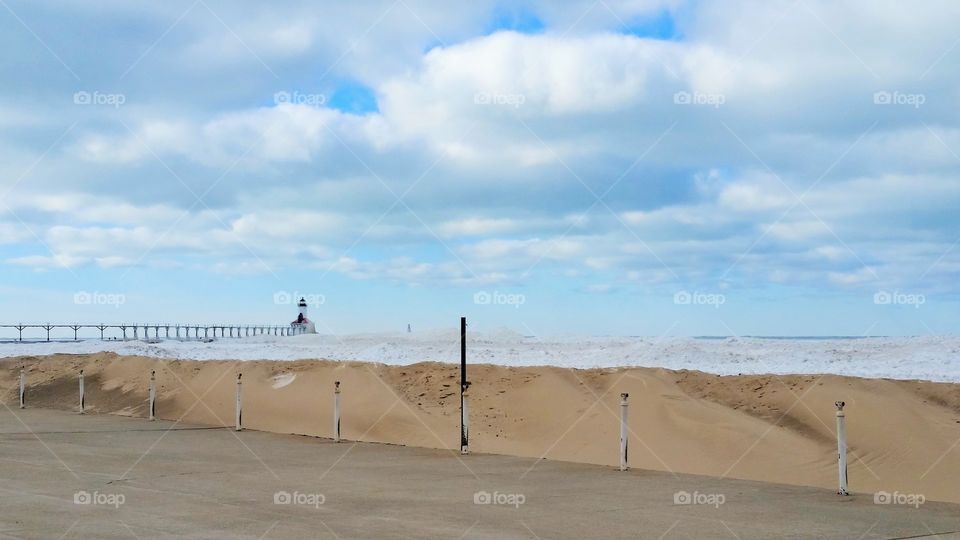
(932, 358)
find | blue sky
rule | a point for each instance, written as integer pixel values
(654, 167)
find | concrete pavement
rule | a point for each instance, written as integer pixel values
(71, 476)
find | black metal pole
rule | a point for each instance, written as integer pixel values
(464, 437)
(463, 351)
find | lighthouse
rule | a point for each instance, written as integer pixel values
(302, 319)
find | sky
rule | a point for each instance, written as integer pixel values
(618, 167)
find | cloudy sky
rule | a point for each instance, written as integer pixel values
(637, 167)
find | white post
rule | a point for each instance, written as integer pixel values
(81, 392)
(239, 415)
(624, 464)
(336, 411)
(153, 395)
(842, 447)
(23, 389)
(465, 421)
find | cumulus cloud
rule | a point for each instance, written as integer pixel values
(748, 148)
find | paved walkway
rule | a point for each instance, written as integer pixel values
(71, 476)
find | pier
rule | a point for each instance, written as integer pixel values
(163, 330)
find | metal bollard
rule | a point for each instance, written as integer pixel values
(624, 433)
(336, 411)
(842, 448)
(23, 390)
(239, 413)
(464, 386)
(464, 420)
(81, 392)
(153, 395)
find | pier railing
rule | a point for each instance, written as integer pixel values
(170, 330)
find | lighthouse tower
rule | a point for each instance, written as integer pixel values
(302, 319)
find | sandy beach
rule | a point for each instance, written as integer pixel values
(903, 434)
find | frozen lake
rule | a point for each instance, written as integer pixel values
(933, 358)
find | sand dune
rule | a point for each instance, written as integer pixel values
(904, 435)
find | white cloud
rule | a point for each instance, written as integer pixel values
(862, 275)
(751, 195)
(48, 261)
(305, 182)
(477, 226)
